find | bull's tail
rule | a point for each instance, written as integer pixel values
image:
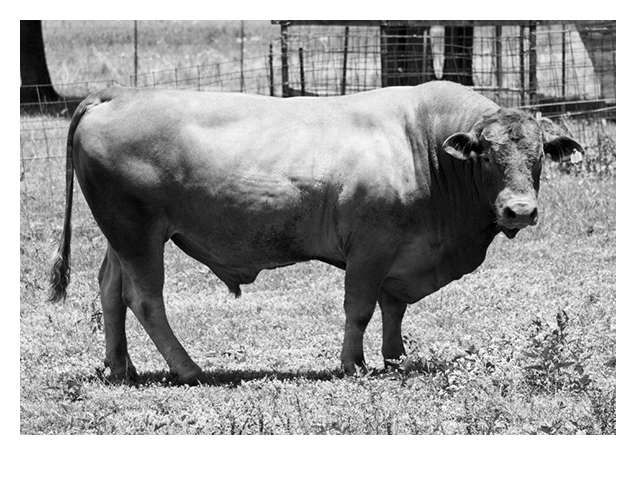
(60, 275)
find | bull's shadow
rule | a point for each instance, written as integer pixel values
(234, 378)
(220, 378)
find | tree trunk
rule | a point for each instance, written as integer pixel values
(36, 84)
(458, 55)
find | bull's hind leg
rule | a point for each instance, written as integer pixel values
(143, 278)
(114, 310)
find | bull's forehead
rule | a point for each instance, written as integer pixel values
(511, 130)
(510, 125)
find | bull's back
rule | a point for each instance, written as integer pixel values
(240, 179)
(258, 178)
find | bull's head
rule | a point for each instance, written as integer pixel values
(510, 147)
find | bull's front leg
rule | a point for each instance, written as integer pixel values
(392, 313)
(362, 288)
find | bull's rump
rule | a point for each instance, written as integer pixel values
(241, 183)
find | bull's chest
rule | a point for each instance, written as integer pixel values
(425, 265)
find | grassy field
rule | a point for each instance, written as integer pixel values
(525, 345)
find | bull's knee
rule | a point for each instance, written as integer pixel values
(142, 304)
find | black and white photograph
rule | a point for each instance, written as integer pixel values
(318, 227)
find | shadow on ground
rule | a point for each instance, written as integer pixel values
(236, 378)
(219, 378)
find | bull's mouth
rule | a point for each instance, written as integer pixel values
(510, 232)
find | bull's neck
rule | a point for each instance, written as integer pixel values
(456, 186)
(467, 221)
(461, 212)
(460, 188)
(457, 214)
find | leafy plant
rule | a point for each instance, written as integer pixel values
(557, 362)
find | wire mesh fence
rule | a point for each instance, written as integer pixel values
(515, 65)
(564, 70)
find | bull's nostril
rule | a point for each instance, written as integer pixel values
(534, 214)
(509, 213)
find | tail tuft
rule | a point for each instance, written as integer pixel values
(60, 274)
(235, 289)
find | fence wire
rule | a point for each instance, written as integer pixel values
(513, 65)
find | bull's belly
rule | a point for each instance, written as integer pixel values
(249, 252)
(238, 248)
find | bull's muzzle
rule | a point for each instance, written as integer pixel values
(517, 215)
(520, 214)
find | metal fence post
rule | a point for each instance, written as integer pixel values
(498, 60)
(522, 64)
(343, 86)
(242, 55)
(271, 70)
(284, 59)
(383, 56)
(532, 62)
(135, 55)
(302, 71)
(563, 68)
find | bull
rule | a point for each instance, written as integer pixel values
(404, 188)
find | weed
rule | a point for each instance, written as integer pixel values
(96, 317)
(557, 363)
(70, 388)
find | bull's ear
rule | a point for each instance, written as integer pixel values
(462, 145)
(561, 146)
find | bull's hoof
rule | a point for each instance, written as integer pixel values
(124, 372)
(193, 377)
(392, 364)
(351, 369)
(396, 363)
